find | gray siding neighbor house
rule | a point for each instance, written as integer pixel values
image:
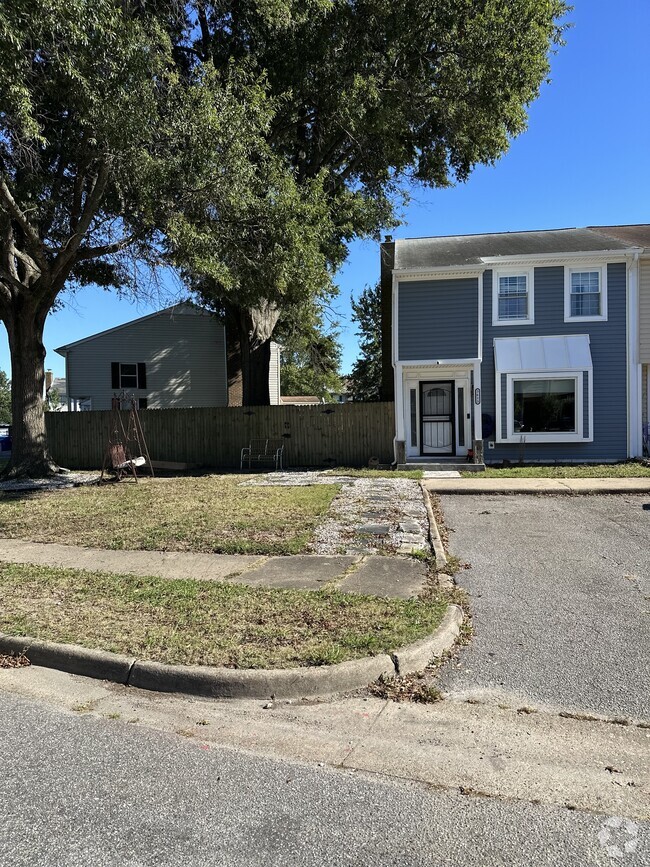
(171, 359)
(522, 346)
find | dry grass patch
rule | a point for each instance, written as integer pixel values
(201, 513)
(206, 623)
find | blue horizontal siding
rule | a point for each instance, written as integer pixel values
(438, 319)
(608, 352)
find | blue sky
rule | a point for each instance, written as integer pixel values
(585, 160)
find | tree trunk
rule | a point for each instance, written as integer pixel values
(29, 452)
(256, 362)
(253, 329)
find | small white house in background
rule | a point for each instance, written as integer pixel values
(175, 358)
(55, 388)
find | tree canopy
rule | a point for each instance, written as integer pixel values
(368, 99)
(106, 139)
(244, 143)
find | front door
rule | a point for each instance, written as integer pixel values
(437, 418)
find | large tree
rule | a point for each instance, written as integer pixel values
(371, 97)
(365, 379)
(106, 135)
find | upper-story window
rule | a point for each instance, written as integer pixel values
(513, 302)
(585, 294)
(128, 375)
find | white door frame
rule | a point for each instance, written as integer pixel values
(411, 378)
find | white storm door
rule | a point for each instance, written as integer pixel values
(437, 418)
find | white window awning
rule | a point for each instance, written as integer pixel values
(532, 354)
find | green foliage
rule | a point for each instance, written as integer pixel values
(365, 99)
(365, 379)
(107, 139)
(311, 357)
(5, 398)
(246, 144)
(52, 399)
(381, 92)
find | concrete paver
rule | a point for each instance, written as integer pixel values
(559, 589)
(298, 572)
(399, 577)
(164, 564)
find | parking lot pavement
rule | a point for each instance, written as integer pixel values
(560, 589)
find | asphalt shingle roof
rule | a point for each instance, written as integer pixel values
(416, 253)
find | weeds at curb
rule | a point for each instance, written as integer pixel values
(14, 660)
(409, 687)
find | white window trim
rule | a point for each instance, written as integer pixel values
(510, 436)
(131, 364)
(529, 274)
(585, 266)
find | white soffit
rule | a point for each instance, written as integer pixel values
(514, 354)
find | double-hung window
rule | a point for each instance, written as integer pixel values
(585, 294)
(513, 298)
(128, 375)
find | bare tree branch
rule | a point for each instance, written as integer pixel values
(14, 210)
(66, 258)
(105, 249)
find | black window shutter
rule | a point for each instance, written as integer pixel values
(115, 375)
(142, 375)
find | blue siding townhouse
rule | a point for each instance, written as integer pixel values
(529, 346)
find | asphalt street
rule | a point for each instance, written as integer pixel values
(76, 790)
(560, 591)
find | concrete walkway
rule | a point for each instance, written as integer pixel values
(478, 485)
(389, 576)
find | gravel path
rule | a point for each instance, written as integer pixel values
(368, 516)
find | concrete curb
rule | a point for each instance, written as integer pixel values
(566, 487)
(434, 535)
(416, 656)
(70, 657)
(238, 683)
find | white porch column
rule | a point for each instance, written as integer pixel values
(634, 378)
(478, 423)
(400, 427)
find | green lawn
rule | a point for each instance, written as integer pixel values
(200, 513)
(205, 622)
(629, 470)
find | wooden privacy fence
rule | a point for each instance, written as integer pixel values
(347, 434)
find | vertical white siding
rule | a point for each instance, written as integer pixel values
(184, 353)
(644, 318)
(274, 375)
